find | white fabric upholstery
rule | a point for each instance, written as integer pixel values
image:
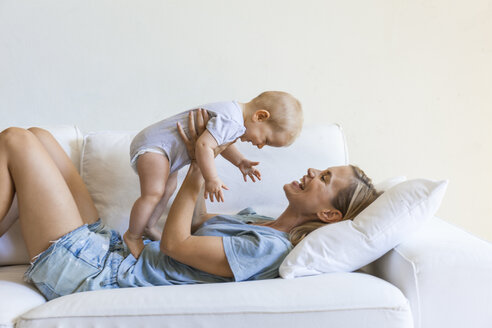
(446, 275)
(106, 170)
(16, 296)
(337, 300)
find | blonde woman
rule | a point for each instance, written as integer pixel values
(54, 205)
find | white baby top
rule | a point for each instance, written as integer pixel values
(226, 125)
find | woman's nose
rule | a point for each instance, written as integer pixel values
(312, 172)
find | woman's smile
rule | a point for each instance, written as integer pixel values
(297, 185)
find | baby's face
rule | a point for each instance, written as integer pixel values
(261, 134)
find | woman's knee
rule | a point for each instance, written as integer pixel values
(15, 138)
(39, 132)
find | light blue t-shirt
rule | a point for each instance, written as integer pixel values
(225, 125)
(253, 252)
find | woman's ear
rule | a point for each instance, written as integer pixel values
(330, 216)
(260, 115)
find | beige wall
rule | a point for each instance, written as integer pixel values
(410, 81)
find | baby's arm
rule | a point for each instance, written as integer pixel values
(233, 155)
(205, 157)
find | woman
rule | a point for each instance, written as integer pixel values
(72, 251)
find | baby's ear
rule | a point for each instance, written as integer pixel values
(261, 115)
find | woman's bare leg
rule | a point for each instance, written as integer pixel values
(72, 178)
(77, 187)
(47, 209)
(153, 172)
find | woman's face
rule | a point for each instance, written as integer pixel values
(315, 191)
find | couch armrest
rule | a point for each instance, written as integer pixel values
(445, 273)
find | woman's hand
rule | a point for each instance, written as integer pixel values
(194, 130)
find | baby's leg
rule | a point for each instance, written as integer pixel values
(153, 171)
(151, 230)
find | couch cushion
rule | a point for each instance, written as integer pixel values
(16, 296)
(12, 249)
(105, 168)
(335, 300)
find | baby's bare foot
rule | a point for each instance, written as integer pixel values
(153, 233)
(134, 243)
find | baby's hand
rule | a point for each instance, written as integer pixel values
(247, 169)
(214, 187)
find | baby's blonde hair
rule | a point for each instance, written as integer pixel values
(285, 112)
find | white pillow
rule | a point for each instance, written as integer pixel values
(349, 245)
(388, 183)
(106, 171)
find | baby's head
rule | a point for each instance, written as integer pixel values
(273, 118)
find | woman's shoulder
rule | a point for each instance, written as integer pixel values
(246, 216)
(250, 216)
(246, 220)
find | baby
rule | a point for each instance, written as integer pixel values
(273, 118)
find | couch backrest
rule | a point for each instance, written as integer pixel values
(105, 168)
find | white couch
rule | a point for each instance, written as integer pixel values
(438, 277)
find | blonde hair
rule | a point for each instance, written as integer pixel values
(350, 201)
(285, 112)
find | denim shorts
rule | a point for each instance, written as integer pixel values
(85, 259)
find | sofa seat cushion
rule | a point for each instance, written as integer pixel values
(16, 296)
(335, 300)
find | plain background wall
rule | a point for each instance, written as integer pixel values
(410, 81)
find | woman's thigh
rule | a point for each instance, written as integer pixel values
(77, 187)
(47, 209)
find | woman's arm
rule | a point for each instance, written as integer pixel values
(205, 253)
(200, 214)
